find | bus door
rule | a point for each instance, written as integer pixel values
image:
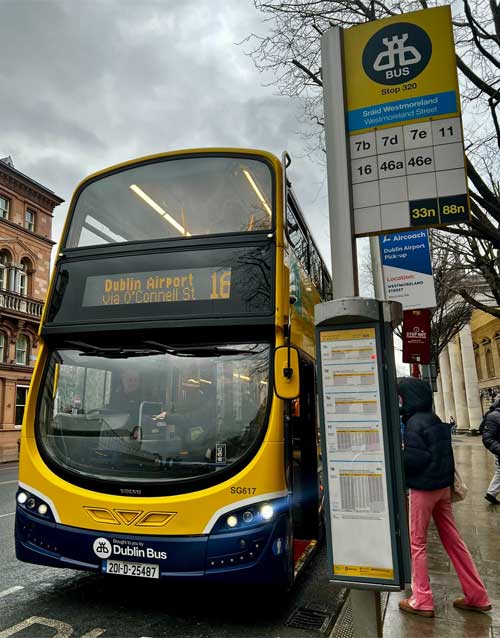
(304, 456)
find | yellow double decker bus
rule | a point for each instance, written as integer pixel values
(167, 434)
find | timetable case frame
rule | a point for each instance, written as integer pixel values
(396, 516)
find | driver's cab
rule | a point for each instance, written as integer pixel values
(159, 414)
(186, 412)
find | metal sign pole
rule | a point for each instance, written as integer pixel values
(343, 243)
(376, 262)
(366, 612)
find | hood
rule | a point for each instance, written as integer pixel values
(416, 396)
(495, 405)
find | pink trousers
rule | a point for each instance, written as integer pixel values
(437, 503)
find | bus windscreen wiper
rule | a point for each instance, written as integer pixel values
(153, 348)
(199, 351)
(118, 352)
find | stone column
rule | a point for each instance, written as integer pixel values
(496, 357)
(457, 379)
(482, 362)
(470, 378)
(449, 403)
(438, 399)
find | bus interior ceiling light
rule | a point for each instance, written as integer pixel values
(138, 191)
(257, 190)
(243, 377)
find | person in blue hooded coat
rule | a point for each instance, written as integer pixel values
(429, 473)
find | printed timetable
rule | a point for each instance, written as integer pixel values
(357, 483)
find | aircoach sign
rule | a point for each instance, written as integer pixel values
(407, 269)
(403, 123)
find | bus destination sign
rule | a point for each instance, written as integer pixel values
(159, 286)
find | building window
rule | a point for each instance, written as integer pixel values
(22, 350)
(21, 394)
(4, 207)
(22, 283)
(29, 220)
(23, 278)
(2, 347)
(4, 269)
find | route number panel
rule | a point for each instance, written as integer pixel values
(409, 175)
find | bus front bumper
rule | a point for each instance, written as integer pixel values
(260, 555)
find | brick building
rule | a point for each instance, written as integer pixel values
(26, 211)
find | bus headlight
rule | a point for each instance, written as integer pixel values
(267, 512)
(34, 504)
(22, 497)
(250, 516)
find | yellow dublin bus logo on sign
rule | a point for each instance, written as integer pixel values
(410, 58)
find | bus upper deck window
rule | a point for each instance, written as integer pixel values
(174, 198)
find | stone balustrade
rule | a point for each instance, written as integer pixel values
(25, 305)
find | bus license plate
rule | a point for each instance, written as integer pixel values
(124, 568)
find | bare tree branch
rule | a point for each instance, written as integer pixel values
(313, 77)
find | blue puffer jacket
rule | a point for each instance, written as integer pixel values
(428, 455)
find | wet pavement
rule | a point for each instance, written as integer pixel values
(479, 524)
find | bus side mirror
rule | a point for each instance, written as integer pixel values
(286, 372)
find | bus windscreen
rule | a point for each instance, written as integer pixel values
(174, 198)
(146, 415)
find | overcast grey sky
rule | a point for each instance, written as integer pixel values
(90, 83)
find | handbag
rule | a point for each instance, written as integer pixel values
(459, 489)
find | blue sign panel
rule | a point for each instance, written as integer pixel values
(407, 269)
